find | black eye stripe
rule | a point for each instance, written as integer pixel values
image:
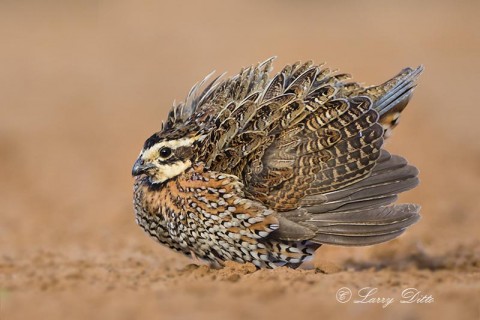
(168, 161)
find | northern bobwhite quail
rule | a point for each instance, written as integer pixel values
(266, 170)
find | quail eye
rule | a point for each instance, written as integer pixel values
(165, 152)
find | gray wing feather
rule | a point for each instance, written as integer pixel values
(362, 213)
(390, 176)
(364, 227)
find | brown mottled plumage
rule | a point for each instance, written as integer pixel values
(265, 170)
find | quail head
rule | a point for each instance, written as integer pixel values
(266, 169)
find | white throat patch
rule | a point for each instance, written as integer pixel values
(169, 171)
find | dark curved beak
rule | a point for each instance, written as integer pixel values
(140, 167)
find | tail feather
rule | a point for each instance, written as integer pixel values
(392, 96)
(397, 91)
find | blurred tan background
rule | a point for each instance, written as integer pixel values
(83, 83)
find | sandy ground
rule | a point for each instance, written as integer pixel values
(83, 83)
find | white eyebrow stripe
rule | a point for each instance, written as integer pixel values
(174, 144)
(152, 152)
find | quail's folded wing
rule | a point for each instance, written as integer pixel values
(330, 163)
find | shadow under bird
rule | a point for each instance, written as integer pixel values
(266, 169)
